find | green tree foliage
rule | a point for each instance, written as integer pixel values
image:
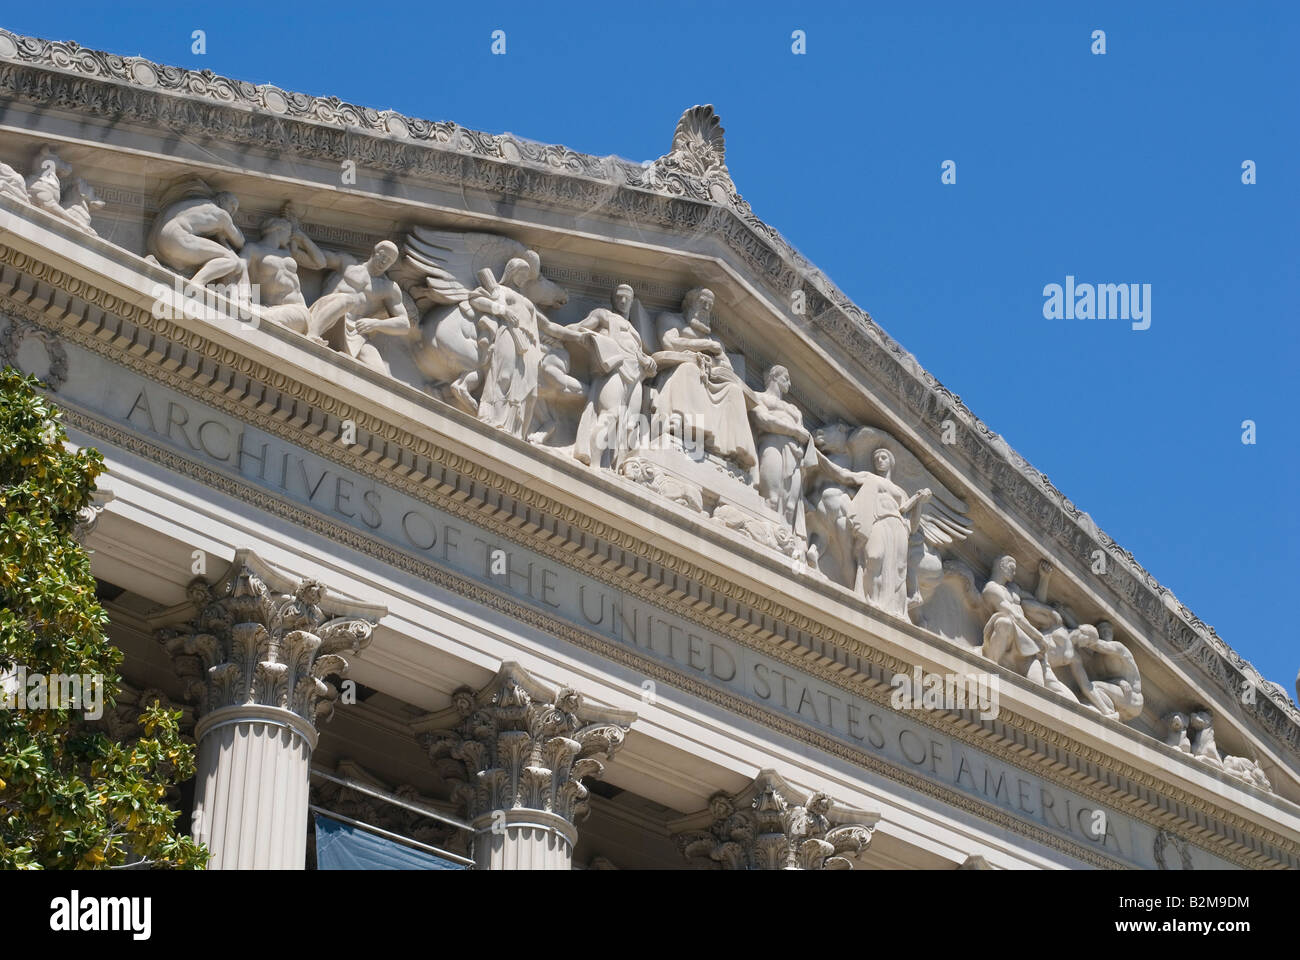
(70, 795)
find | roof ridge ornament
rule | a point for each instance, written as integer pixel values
(698, 154)
(699, 144)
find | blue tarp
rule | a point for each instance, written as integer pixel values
(343, 847)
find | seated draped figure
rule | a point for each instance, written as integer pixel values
(698, 396)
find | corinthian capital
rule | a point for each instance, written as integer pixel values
(771, 826)
(259, 638)
(516, 744)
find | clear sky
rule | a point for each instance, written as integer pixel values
(1117, 168)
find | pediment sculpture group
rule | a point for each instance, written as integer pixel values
(656, 400)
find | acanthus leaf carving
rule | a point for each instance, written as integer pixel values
(255, 638)
(771, 826)
(515, 744)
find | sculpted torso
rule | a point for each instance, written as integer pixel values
(276, 272)
(355, 278)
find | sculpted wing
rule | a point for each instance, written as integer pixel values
(441, 266)
(943, 518)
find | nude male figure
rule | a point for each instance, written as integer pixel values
(272, 265)
(1009, 638)
(366, 302)
(200, 234)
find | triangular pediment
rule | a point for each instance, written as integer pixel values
(506, 259)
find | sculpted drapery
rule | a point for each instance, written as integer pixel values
(700, 397)
(883, 517)
(782, 445)
(510, 389)
(607, 429)
(849, 504)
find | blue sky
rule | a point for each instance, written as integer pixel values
(1122, 168)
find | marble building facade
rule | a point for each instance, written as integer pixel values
(541, 510)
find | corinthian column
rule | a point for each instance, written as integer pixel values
(518, 754)
(771, 826)
(256, 657)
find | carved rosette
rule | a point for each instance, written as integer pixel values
(516, 745)
(257, 639)
(771, 826)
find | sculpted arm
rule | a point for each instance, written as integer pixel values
(397, 320)
(492, 303)
(306, 252)
(1043, 610)
(674, 339)
(592, 321)
(577, 333)
(1085, 682)
(1005, 603)
(232, 233)
(334, 260)
(1129, 673)
(768, 420)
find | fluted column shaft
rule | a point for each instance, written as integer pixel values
(523, 839)
(257, 652)
(250, 797)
